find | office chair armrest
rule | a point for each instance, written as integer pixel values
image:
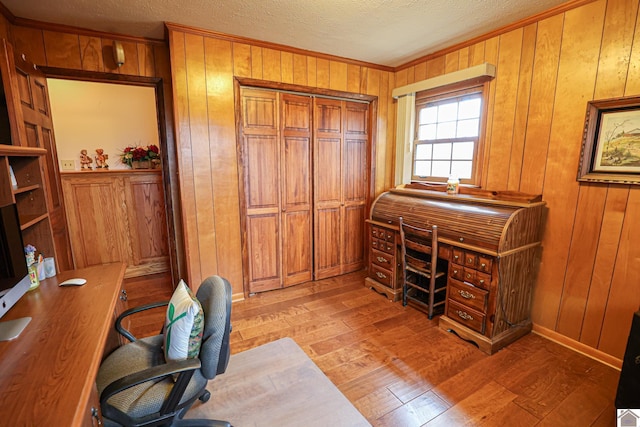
(124, 332)
(187, 366)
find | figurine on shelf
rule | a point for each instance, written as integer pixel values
(101, 159)
(85, 160)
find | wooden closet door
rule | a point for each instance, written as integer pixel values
(355, 182)
(295, 170)
(261, 177)
(328, 204)
(341, 136)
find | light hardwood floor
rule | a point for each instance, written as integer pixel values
(399, 369)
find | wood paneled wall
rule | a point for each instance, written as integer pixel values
(204, 67)
(547, 71)
(75, 49)
(72, 50)
(589, 280)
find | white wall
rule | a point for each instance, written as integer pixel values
(88, 115)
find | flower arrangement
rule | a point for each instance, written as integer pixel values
(140, 153)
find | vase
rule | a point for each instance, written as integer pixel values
(141, 164)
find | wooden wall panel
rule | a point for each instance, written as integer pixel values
(580, 47)
(63, 49)
(184, 143)
(522, 106)
(86, 52)
(222, 151)
(91, 53)
(547, 71)
(543, 89)
(610, 80)
(204, 69)
(200, 157)
(624, 297)
(506, 89)
(609, 239)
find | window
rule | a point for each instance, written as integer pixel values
(448, 131)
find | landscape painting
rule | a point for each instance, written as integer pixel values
(618, 144)
(611, 142)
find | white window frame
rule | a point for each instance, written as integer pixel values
(406, 120)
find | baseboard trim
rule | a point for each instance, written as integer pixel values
(579, 347)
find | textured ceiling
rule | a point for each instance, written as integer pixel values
(385, 32)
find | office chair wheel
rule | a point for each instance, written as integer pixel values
(204, 397)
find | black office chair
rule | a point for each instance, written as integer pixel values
(138, 388)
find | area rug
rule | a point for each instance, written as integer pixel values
(276, 384)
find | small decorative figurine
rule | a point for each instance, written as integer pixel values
(101, 159)
(85, 160)
(32, 266)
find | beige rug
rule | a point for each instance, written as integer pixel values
(276, 384)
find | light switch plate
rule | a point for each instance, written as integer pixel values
(68, 165)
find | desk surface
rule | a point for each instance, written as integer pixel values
(48, 372)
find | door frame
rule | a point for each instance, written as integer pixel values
(167, 151)
(239, 82)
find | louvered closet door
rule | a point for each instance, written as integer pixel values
(340, 183)
(276, 130)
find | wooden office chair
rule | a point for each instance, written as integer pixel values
(422, 281)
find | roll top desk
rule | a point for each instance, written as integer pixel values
(491, 242)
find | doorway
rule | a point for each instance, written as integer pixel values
(115, 213)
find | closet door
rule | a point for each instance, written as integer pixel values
(276, 161)
(355, 182)
(340, 184)
(261, 175)
(295, 172)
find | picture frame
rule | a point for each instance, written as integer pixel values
(611, 142)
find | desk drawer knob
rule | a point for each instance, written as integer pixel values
(464, 315)
(123, 295)
(483, 265)
(382, 259)
(380, 275)
(468, 275)
(482, 281)
(465, 294)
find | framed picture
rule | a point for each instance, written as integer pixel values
(611, 142)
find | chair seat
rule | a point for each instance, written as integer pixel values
(146, 398)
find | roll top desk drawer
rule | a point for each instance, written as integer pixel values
(471, 296)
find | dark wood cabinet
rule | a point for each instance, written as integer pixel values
(492, 248)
